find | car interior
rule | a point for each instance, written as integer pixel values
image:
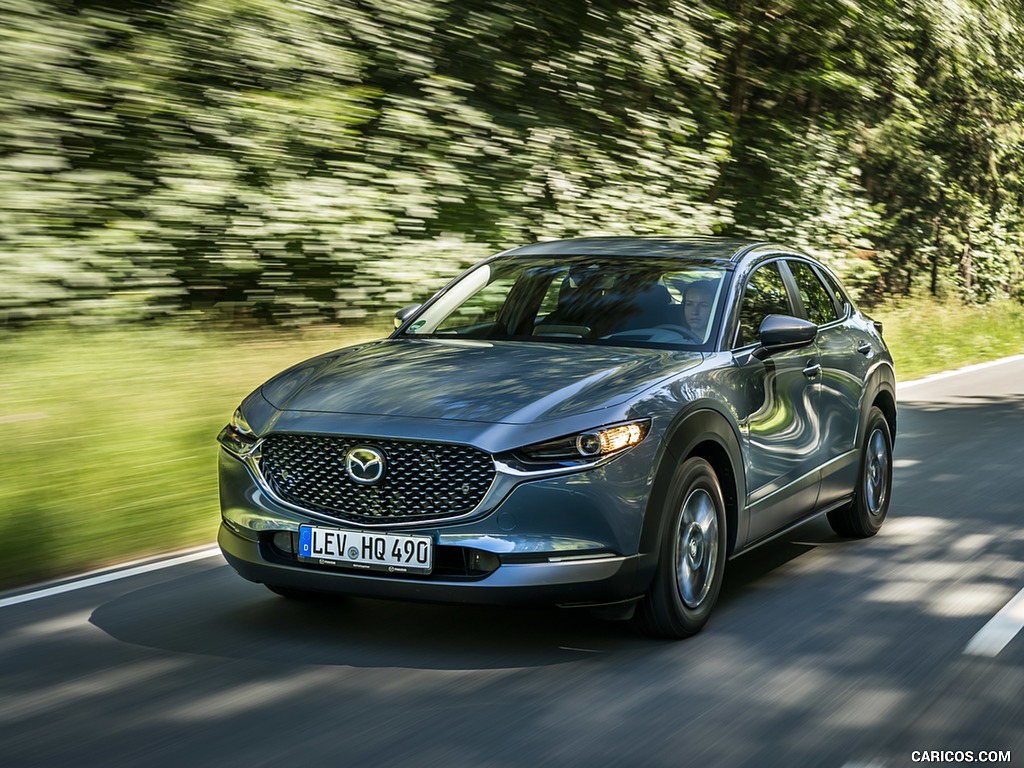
(586, 303)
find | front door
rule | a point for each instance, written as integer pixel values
(782, 430)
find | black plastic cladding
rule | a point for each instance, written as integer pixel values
(422, 482)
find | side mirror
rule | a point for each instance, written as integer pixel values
(779, 332)
(405, 313)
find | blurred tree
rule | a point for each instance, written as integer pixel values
(303, 160)
(944, 150)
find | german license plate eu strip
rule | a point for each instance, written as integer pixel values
(392, 552)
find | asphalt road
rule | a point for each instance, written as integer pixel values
(822, 652)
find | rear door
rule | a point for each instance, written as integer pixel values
(844, 353)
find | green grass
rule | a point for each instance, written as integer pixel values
(927, 336)
(107, 447)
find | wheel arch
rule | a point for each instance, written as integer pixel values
(886, 402)
(707, 432)
(881, 392)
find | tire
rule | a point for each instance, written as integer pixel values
(691, 560)
(865, 515)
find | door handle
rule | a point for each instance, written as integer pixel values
(812, 370)
(864, 348)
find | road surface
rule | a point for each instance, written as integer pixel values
(822, 651)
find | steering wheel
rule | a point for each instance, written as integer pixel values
(683, 331)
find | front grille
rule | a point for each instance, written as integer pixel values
(422, 482)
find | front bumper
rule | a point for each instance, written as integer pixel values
(600, 580)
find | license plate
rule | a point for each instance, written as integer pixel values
(393, 552)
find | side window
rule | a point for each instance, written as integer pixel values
(837, 291)
(765, 295)
(817, 302)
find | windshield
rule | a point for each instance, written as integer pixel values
(597, 300)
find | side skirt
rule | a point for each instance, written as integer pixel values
(789, 528)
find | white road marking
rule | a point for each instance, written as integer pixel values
(86, 580)
(967, 369)
(1000, 630)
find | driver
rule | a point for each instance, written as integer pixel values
(697, 306)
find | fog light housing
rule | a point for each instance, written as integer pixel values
(284, 541)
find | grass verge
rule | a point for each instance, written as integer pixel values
(108, 434)
(928, 336)
(108, 438)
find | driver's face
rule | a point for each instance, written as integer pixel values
(697, 309)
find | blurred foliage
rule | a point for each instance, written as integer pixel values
(310, 160)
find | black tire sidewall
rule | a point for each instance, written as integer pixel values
(681, 620)
(871, 523)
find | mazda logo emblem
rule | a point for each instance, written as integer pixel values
(365, 465)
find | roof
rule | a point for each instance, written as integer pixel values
(716, 248)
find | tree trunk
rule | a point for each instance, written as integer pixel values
(965, 263)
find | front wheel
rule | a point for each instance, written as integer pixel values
(870, 504)
(691, 560)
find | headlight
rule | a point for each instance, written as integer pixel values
(238, 437)
(586, 447)
(240, 425)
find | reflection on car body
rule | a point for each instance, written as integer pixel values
(598, 422)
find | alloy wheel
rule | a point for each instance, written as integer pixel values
(696, 547)
(876, 472)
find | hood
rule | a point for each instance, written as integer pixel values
(507, 382)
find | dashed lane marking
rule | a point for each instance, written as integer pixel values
(999, 630)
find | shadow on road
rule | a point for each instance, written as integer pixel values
(216, 613)
(226, 616)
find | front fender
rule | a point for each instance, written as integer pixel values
(705, 430)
